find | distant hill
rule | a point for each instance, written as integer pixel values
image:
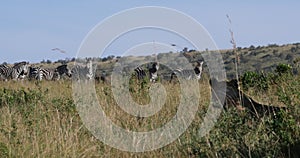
(260, 58)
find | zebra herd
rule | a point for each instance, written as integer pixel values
(189, 74)
(22, 70)
(18, 71)
(185, 74)
(39, 73)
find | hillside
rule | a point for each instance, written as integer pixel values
(257, 59)
(261, 58)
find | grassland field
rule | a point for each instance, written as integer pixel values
(40, 119)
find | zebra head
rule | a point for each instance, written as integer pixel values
(153, 72)
(198, 69)
(21, 69)
(63, 69)
(155, 66)
(89, 66)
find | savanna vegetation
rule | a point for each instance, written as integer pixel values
(39, 119)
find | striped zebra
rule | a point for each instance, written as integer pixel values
(18, 71)
(141, 73)
(83, 72)
(189, 74)
(90, 75)
(2, 67)
(35, 73)
(153, 72)
(49, 74)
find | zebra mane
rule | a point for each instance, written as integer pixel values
(20, 64)
(62, 66)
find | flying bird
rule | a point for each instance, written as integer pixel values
(57, 49)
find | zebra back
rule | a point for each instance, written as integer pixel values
(19, 70)
(80, 72)
(5, 72)
(35, 73)
(63, 69)
(189, 73)
(140, 73)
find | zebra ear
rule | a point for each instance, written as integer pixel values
(196, 64)
(199, 63)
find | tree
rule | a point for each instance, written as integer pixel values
(184, 50)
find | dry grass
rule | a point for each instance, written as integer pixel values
(50, 127)
(39, 119)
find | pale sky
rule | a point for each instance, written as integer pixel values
(30, 29)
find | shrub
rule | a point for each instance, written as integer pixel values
(255, 80)
(282, 69)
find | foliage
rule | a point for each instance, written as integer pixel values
(254, 80)
(282, 69)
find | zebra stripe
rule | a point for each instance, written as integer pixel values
(153, 72)
(49, 74)
(189, 74)
(35, 73)
(141, 73)
(83, 72)
(19, 70)
(90, 74)
(63, 70)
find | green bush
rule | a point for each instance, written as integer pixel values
(282, 69)
(255, 80)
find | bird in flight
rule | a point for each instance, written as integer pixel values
(57, 49)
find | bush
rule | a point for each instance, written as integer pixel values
(282, 69)
(255, 80)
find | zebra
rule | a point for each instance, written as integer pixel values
(153, 72)
(83, 72)
(35, 73)
(102, 77)
(18, 71)
(189, 74)
(63, 69)
(2, 67)
(141, 73)
(89, 66)
(49, 74)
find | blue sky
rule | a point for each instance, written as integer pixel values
(30, 29)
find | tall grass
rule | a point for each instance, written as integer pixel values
(39, 119)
